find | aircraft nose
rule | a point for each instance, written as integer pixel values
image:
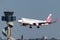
(19, 20)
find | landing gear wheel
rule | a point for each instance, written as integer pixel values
(38, 27)
(30, 26)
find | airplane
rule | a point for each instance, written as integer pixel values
(33, 22)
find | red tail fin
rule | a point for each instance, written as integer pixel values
(49, 18)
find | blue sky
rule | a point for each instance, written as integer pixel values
(37, 9)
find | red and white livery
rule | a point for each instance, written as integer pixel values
(33, 22)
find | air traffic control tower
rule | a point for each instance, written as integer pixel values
(9, 18)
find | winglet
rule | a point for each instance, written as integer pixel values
(54, 20)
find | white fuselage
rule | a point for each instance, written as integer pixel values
(31, 21)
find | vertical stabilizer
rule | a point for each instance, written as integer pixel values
(49, 18)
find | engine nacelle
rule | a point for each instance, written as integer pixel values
(39, 23)
(34, 24)
(24, 24)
